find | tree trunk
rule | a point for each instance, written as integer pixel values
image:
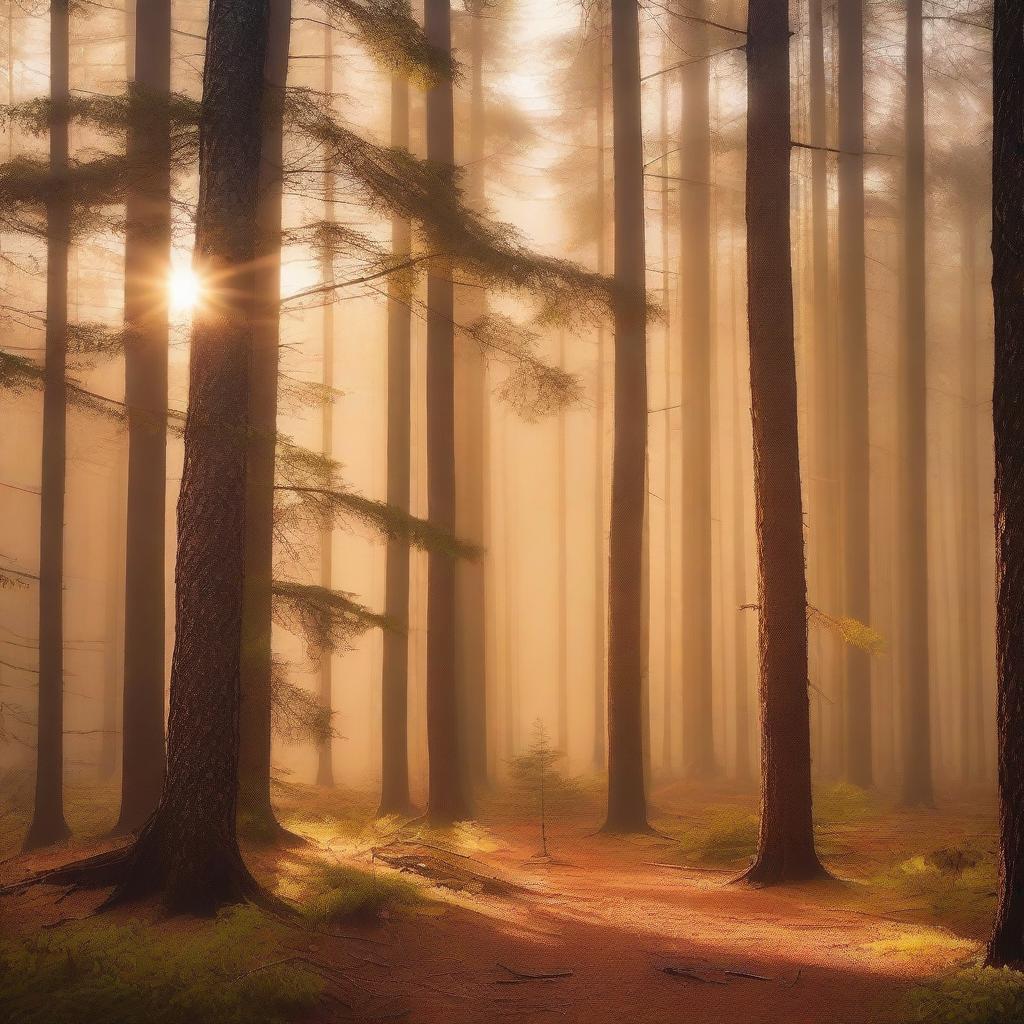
(627, 801)
(147, 270)
(600, 427)
(472, 440)
(562, 528)
(325, 748)
(257, 818)
(394, 793)
(971, 597)
(187, 853)
(113, 667)
(48, 825)
(447, 795)
(917, 771)
(695, 323)
(853, 396)
(1006, 946)
(785, 848)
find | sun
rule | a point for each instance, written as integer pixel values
(185, 289)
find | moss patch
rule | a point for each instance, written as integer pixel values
(978, 995)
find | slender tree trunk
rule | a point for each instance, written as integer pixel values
(917, 771)
(1006, 946)
(695, 323)
(853, 396)
(147, 269)
(394, 794)
(48, 825)
(561, 471)
(256, 812)
(971, 596)
(113, 669)
(471, 424)
(187, 853)
(785, 848)
(600, 427)
(627, 802)
(447, 795)
(325, 749)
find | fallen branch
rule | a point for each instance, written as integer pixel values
(535, 975)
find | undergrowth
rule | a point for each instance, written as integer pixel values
(221, 972)
(976, 995)
(338, 892)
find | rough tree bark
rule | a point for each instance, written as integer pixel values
(785, 848)
(257, 819)
(447, 792)
(394, 791)
(695, 324)
(913, 501)
(1006, 946)
(187, 853)
(147, 269)
(853, 395)
(627, 800)
(48, 825)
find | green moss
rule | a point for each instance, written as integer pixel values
(126, 973)
(843, 804)
(972, 996)
(722, 834)
(343, 892)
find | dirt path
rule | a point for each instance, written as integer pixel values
(606, 913)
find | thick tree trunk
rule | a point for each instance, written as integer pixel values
(325, 748)
(256, 814)
(917, 770)
(147, 269)
(187, 853)
(48, 825)
(600, 427)
(853, 395)
(695, 323)
(785, 849)
(447, 793)
(472, 440)
(394, 791)
(627, 802)
(1006, 946)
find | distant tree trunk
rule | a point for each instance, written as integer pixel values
(971, 596)
(917, 771)
(394, 794)
(48, 825)
(785, 848)
(113, 668)
(187, 853)
(257, 819)
(1006, 946)
(147, 270)
(471, 423)
(511, 668)
(600, 427)
(823, 531)
(627, 801)
(853, 395)
(325, 748)
(447, 794)
(561, 471)
(695, 324)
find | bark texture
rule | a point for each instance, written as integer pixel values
(627, 801)
(447, 792)
(48, 825)
(147, 270)
(1006, 946)
(785, 849)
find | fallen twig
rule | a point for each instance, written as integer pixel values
(747, 974)
(683, 972)
(535, 975)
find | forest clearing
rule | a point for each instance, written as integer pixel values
(476, 925)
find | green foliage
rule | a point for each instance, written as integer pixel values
(328, 620)
(723, 834)
(539, 784)
(344, 892)
(851, 631)
(220, 972)
(977, 995)
(296, 715)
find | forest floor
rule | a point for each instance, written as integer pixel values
(473, 925)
